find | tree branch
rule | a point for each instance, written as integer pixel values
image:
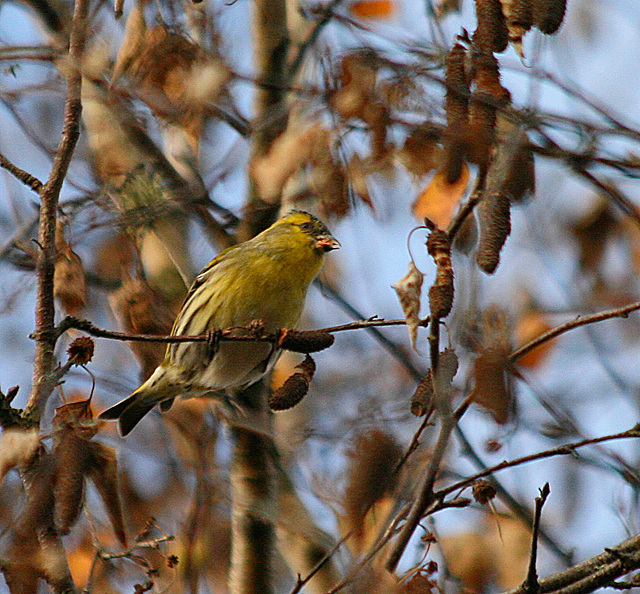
(44, 362)
(26, 178)
(620, 312)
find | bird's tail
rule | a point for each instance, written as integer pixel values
(130, 411)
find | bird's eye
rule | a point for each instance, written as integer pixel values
(305, 226)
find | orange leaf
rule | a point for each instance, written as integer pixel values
(439, 200)
(530, 326)
(373, 9)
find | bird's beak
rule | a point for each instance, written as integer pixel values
(326, 243)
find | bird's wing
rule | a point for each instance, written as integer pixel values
(206, 272)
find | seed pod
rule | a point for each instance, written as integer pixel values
(483, 491)
(457, 107)
(295, 388)
(441, 292)
(495, 225)
(548, 14)
(305, 342)
(80, 351)
(422, 400)
(491, 35)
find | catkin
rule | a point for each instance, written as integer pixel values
(548, 14)
(441, 292)
(310, 341)
(457, 107)
(489, 94)
(491, 35)
(295, 388)
(495, 225)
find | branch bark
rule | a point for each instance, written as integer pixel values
(45, 336)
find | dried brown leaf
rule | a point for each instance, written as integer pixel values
(592, 233)
(373, 9)
(469, 559)
(531, 325)
(103, 471)
(492, 388)
(370, 474)
(18, 447)
(409, 289)
(440, 199)
(69, 282)
(71, 465)
(299, 144)
(77, 415)
(139, 310)
(421, 153)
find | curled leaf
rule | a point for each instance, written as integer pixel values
(409, 289)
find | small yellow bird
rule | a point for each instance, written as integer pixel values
(266, 279)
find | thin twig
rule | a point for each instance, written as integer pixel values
(26, 178)
(324, 18)
(510, 501)
(620, 312)
(425, 496)
(224, 334)
(301, 582)
(531, 583)
(563, 450)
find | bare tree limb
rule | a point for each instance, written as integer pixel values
(45, 265)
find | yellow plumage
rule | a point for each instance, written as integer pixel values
(266, 279)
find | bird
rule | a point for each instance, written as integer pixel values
(263, 280)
